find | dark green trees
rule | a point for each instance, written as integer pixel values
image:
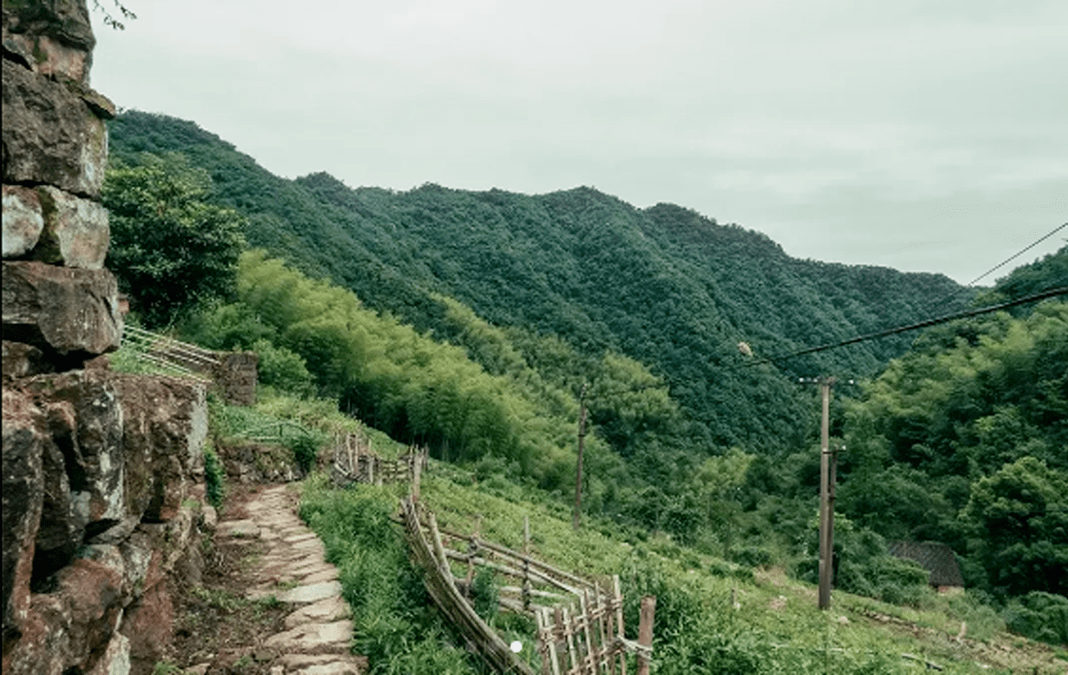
(170, 249)
(1018, 521)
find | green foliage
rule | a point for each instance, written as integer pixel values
(863, 566)
(282, 368)
(484, 595)
(1018, 518)
(170, 248)
(305, 450)
(214, 477)
(396, 625)
(1040, 616)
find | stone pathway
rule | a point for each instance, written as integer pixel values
(319, 629)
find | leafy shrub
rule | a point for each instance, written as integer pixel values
(214, 477)
(484, 594)
(707, 651)
(753, 556)
(305, 451)
(1040, 616)
(282, 368)
(722, 568)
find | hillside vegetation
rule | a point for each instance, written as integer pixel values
(665, 286)
(482, 324)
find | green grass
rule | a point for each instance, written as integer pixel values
(776, 627)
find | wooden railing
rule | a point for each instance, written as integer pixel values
(429, 554)
(354, 462)
(590, 640)
(580, 626)
(182, 358)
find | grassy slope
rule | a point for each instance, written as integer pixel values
(771, 604)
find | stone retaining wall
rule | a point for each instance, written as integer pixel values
(103, 486)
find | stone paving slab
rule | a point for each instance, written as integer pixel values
(311, 592)
(318, 632)
(310, 637)
(307, 664)
(327, 609)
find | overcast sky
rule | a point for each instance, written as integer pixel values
(924, 135)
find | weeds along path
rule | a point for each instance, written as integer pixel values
(285, 566)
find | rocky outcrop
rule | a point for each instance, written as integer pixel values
(103, 482)
(103, 479)
(69, 314)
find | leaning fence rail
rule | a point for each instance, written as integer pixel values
(168, 354)
(355, 462)
(428, 552)
(580, 625)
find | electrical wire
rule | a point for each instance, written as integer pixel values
(1035, 297)
(993, 269)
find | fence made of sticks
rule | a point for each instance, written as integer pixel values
(233, 374)
(580, 625)
(182, 358)
(355, 462)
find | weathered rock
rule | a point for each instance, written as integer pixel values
(63, 311)
(22, 360)
(54, 37)
(137, 554)
(68, 630)
(149, 620)
(165, 424)
(59, 533)
(85, 420)
(116, 658)
(22, 497)
(76, 232)
(50, 135)
(23, 220)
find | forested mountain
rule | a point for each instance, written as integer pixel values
(480, 324)
(665, 285)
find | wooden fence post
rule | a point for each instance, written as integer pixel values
(526, 563)
(645, 633)
(417, 471)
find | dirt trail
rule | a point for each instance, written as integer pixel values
(295, 621)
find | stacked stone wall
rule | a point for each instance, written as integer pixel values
(103, 488)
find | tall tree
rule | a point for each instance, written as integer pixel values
(1019, 517)
(170, 248)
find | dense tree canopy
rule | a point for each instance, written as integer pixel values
(171, 248)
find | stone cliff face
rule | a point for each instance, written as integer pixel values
(103, 489)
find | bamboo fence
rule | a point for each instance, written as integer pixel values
(183, 358)
(354, 462)
(429, 554)
(580, 626)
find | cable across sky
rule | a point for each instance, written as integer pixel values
(1035, 297)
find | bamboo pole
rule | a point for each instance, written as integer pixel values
(617, 600)
(645, 633)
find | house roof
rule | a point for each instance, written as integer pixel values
(938, 559)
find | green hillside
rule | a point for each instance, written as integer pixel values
(666, 286)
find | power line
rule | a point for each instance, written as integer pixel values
(1017, 255)
(999, 266)
(1035, 297)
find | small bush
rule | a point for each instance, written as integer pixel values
(753, 556)
(484, 594)
(1039, 616)
(305, 451)
(214, 477)
(282, 368)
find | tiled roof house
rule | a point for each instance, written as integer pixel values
(938, 559)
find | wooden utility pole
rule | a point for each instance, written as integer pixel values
(578, 472)
(827, 479)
